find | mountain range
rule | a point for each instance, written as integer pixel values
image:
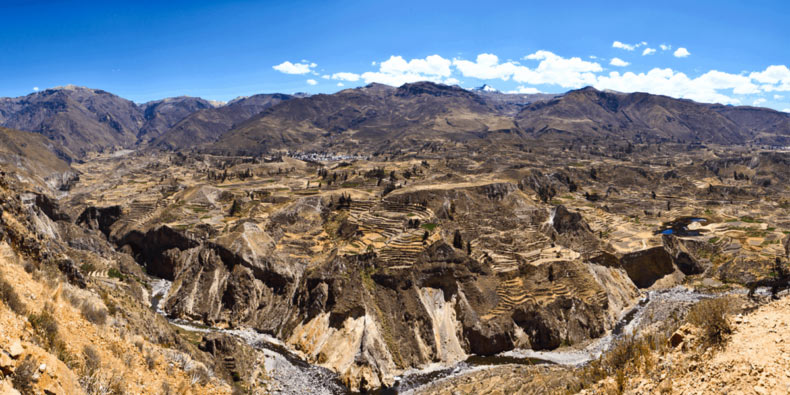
(373, 118)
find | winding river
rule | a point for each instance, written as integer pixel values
(292, 375)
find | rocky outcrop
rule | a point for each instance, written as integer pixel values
(569, 229)
(682, 254)
(645, 267)
(100, 218)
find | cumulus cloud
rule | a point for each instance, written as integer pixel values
(35, 89)
(486, 67)
(396, 71)
(525, 89)
(773, 78)
(351, 77)
(451, 81)
(294, 68)
(557, 70)
(665, 47)
(340, 84)
(312, 82)
(787, 110)
(705, 88)
(618, 62)
(681, 53)
(648, 51)
(759, 102)
(778, 97)
(627, 47)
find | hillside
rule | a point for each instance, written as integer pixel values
(161, 115)
(208, 124)
(374, 119)
(81, 119)
(31, 156)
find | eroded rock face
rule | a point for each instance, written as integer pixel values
(100, 218)
(645, 267)
(371, 315)
(683, 255)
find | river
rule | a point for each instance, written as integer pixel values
(292, 375)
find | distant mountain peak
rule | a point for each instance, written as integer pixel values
(486, 88)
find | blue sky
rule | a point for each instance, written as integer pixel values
(715, 52)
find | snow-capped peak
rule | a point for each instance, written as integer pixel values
(486, 88)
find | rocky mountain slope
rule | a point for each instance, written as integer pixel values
(31, 156)
(369, 119)
(207, 125)
(161, 115)
(425, 113)
(596, 116)
(378, 117)
(80, 119)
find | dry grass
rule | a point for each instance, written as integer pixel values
(94, 314)
(23, 376)
(9, 296)
(46, 328)
(710, 315)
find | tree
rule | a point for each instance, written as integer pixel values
(458, 242)
(235, 209)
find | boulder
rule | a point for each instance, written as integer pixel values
(15, 350)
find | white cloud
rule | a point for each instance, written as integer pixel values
(759, 102)
(681, 53)
(648, 51)
(665, 47)
(35, 89)
(705, 88)
(618, 62)
(326, 76)
(312, 82)
(396, 71)
(787, 110)
(593, 57)
(294, 68)
(340, 84)
(352, 77)
(373, 63)
(773, 78)
(778, 97)
(486, 67)
(556, 70)
(525, 89)
(451, 81)
(627, 47)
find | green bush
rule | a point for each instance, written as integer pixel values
(115, 273)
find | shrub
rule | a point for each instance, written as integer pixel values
(94, 314)
(92, 359)
(115, 273)
(9, 296)
(710, 315)
(46, 328)
(23, 376)
(150, 360)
